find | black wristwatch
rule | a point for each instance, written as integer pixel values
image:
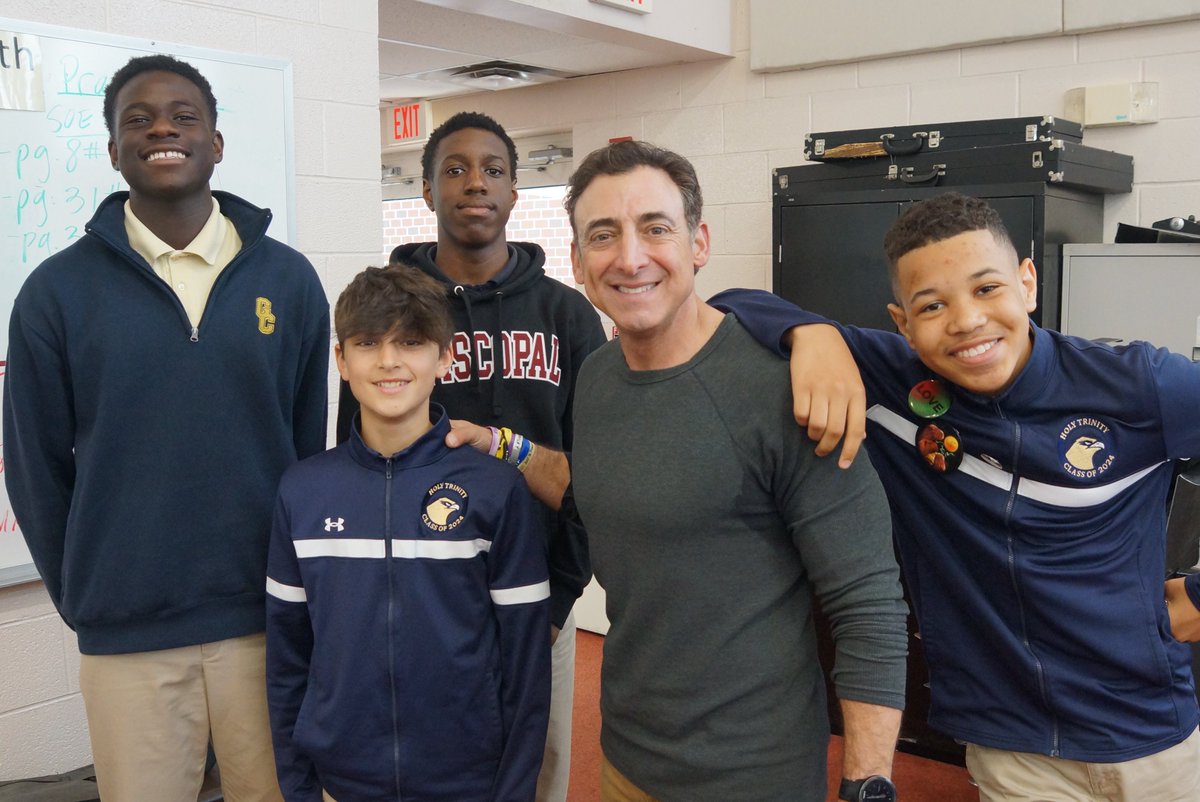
(873, 789)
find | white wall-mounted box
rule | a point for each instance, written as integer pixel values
(1114, 104)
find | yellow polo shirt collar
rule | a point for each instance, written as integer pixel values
(190, 271)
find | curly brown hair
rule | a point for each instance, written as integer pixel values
(938, 218)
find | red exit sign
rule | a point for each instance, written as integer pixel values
(410, 123)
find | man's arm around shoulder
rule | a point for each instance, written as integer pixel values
(547, 474)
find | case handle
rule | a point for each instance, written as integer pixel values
(906, 147)
(935, 172)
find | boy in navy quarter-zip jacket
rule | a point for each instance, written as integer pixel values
(408, 599)
(163, 371)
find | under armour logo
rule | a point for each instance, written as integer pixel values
(335, 525)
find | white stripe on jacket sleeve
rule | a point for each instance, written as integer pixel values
(522, 595)
(287, 593)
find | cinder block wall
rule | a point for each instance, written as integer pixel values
(736, 125)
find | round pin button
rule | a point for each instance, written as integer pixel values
(940, 447)
(929, 399)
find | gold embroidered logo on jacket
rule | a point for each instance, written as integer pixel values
(266, 319)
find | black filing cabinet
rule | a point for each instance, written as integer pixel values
(828, 258)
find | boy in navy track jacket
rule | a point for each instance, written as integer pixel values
(520, 339)
(408, 601)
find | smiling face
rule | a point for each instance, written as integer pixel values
(471, 189)
(964, 308)
(392, 377)
(635, 255)
(163, 141)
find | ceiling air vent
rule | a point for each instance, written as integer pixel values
(495, 75)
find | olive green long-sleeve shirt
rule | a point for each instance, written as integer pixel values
(711, 525)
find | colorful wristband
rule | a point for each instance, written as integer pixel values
(516, 447)
(504, 443)
(528, 457)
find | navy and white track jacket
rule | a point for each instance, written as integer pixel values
(1036, 569)
(518, 347)
(407, 620)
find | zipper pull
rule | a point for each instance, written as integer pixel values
(195, 335)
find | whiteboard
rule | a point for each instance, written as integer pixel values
(55, 169)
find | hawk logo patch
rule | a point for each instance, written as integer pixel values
(445, 506)
(1085, 449)
(266, 319)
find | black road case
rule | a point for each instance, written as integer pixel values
(906, 140)
(1056, 161)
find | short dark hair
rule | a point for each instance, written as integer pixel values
(938, 218)
(397, 298)
(157, 63)
(619, 158)
(466, 119)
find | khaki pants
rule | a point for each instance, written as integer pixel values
(150, 715)
(616, 787)
(1172, 775)
(556, 760)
